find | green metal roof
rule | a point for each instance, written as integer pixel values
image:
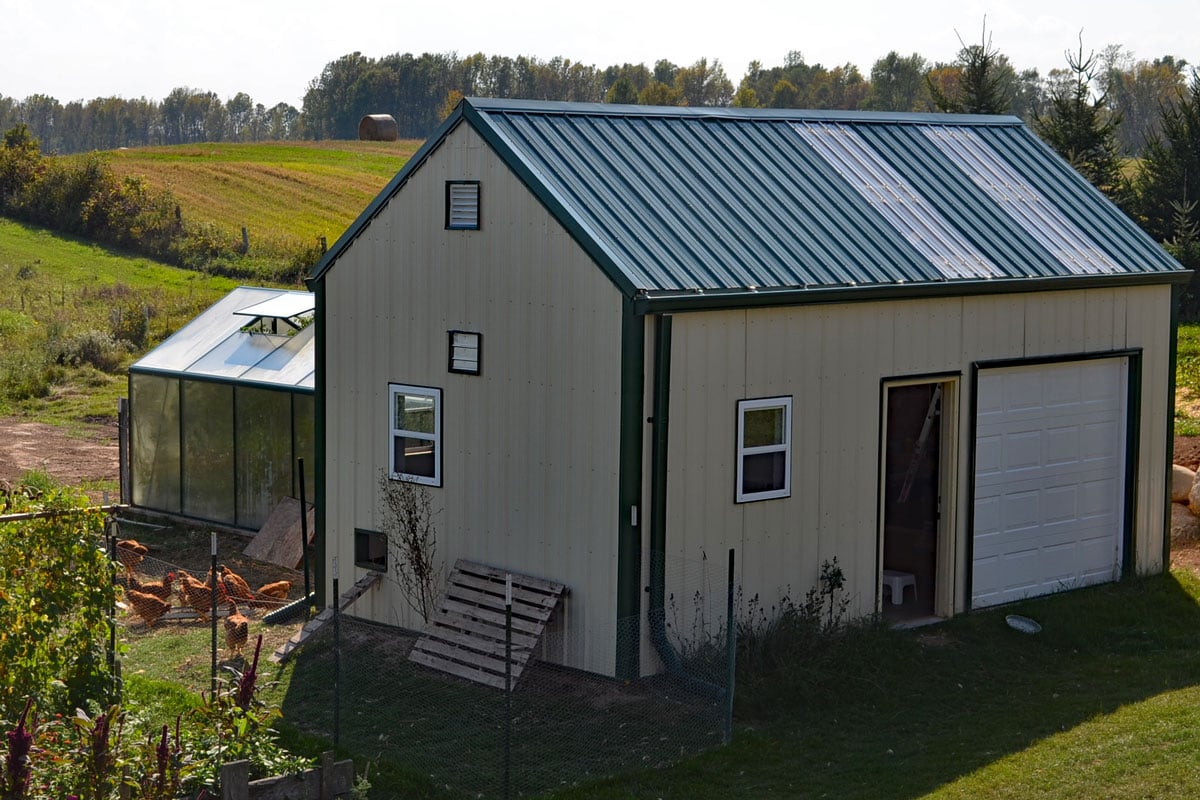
(681, 204)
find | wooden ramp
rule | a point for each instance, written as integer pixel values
(465, 636)
(278, 541)
(326, 616)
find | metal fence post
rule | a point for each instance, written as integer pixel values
(213, 586)
(337, 656)
(507, 684)
(730, 654)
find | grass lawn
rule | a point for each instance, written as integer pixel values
(1104, 702)
(1187, 381)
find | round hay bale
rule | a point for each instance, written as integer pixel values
(378, 128)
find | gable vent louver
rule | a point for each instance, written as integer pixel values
(462, 205)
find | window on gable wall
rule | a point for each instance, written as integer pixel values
(416, 433)
(764, 449)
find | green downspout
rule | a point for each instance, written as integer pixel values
(657, 614)
(319, 446)
(629, 542)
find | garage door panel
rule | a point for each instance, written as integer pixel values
(1049, 477)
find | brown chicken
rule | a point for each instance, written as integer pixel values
(147, 606)
(160, 589)
(273, 593)
(130, 553)
(237, 630)
(235, 584)
(198, 596)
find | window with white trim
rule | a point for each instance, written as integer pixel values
(764, 449)
(416, 434)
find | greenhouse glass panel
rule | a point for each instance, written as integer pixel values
(304, 412)
(208, 450)
(263, 421)
(154, 402)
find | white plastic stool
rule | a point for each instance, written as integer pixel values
(895, 581)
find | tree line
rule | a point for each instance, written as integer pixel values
(419, 91)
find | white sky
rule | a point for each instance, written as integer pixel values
(272, 49)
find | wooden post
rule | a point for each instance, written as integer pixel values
(235, 781)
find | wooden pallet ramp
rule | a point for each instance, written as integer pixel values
(324, 618)
(465, 635)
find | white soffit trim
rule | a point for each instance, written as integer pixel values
(902, 206)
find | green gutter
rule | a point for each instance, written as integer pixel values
(1172, 365)
(725, 300)
(629, 542)
(319, 449)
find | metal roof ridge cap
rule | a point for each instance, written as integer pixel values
(564, 108)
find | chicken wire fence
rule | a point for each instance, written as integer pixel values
(166, 595)
(557, 726)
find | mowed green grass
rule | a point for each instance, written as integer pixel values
(54, 288)
(1103, 703)
(278, 191)
(1187, 381)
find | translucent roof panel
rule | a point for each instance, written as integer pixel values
(1048, 225)
(282, 306)
(214, 346)
(291, 363)
(913, 217)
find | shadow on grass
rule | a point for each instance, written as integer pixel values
(878, 713)
(432, 735)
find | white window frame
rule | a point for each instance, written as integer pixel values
(397, 389)
(785, 447)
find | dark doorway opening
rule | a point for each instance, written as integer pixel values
(911, 505)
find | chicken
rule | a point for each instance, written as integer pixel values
(235, 584)
(130, 553)
(237, 630)
(160, 589)
(198, 596)
(273, 593)
(147, 606)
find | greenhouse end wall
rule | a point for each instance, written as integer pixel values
(217, 451)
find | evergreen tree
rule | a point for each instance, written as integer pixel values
(1081, 129)
(1168, 177)
(983, 87)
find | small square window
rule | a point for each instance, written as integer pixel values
(764, 449)
(416, 434)
(370, 550)
(462, 205)
(465, 352)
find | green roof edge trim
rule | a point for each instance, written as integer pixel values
(725, 300)
(548, 198)
(383, 198)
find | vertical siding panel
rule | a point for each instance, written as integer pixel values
(516, 437)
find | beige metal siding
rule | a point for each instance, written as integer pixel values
(530, 446)
(832, 360)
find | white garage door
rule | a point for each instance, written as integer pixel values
(1049, 478)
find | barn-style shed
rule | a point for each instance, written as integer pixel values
(221, 410)
(609, 336)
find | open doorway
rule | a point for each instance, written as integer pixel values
(912, 488)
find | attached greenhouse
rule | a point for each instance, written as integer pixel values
(221, 411)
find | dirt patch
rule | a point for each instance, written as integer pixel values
(71, 459)
(1187, 451)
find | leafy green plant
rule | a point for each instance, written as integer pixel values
(56, 593)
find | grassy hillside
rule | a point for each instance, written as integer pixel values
(278, 191)
(73, 315)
